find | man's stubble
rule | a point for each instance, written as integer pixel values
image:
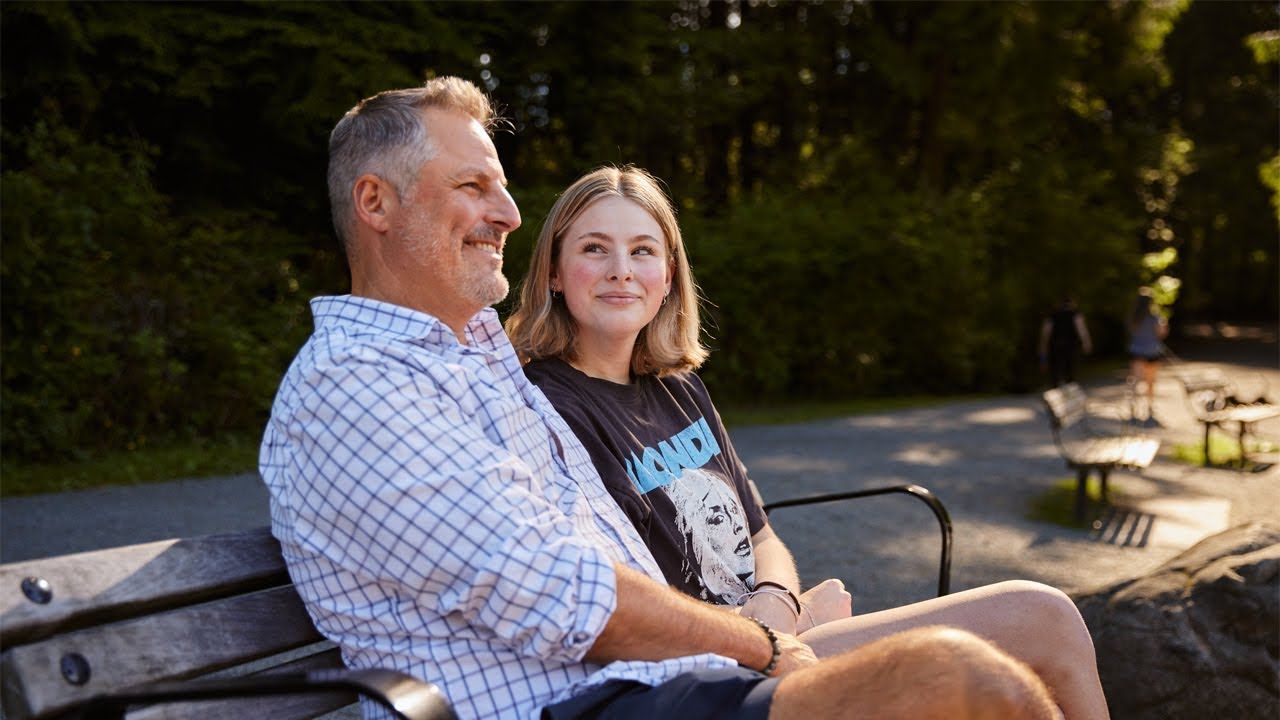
(432, 245)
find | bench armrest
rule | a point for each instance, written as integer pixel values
(916, 491)
(405, 697)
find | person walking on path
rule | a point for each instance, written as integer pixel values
(1147, 330)
(1063, 336)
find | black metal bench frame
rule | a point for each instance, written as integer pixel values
(923, 494)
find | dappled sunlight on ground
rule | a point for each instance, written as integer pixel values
(1173, 522)
(926, 454)
(785, 463)
(1001, 416)
(1046, 450)
(933, 419)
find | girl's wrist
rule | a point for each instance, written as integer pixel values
(773, 610)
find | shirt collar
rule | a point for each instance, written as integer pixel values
(366, 315)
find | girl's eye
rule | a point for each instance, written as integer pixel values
(644, 250)
(593, 248)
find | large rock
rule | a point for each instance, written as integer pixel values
(1197, 638)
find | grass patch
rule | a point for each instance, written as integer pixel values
(738, 414)
(1223, 449)
(223, 456)
(1057, 505)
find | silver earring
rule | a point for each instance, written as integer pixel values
(556, 295)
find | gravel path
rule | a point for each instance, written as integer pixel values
(986, 459)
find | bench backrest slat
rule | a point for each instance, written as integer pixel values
(1206, 391)
(1204, 379)
(123, 582)
(175, 644)
(1067, 405)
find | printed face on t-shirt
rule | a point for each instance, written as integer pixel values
(711, 519)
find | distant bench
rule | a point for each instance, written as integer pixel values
(1215, 401)
(1087, 449)
(92, 634)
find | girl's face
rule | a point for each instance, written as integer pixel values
(726, 530)
(614, 271)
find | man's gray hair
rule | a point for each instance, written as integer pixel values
(385, 135)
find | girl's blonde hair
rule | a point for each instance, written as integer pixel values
(541, 326)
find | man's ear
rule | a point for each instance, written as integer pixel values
(374, 199)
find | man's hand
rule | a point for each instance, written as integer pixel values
(793, 656)
(823, 603)
(653, 622)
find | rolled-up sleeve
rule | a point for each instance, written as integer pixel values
(406, 489)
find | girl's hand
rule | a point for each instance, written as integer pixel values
(823, 603)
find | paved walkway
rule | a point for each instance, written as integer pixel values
(986, 459)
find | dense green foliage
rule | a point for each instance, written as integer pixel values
(878, 197)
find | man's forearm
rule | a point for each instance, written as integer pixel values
(654, 622)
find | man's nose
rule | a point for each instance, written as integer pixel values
(503, 212)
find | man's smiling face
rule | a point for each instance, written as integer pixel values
(454, 221)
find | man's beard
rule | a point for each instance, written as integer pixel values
(475, 282)
(478, 283)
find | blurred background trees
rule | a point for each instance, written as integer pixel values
(878, 197)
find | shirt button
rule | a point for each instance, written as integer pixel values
(581, 637)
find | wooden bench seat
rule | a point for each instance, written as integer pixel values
(1088, 450)
(1127, 451)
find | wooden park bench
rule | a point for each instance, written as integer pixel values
(1086, 449)
(1215, 401)
(92, 634)
(209, 628)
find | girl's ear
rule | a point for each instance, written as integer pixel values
(555, 281)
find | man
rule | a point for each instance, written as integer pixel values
(1063, 335)
(440, 519)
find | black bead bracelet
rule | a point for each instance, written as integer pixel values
(767, 670)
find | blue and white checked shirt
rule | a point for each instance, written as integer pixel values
(439, 518)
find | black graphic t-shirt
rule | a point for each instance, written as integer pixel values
(665, 458)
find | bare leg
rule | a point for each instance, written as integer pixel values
(923, 674)
(1034, 623)
(1149, 370)
(1135, 377)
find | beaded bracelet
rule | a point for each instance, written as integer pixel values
(773, 645)
(794, 600)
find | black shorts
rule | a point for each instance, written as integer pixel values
(718, 694)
